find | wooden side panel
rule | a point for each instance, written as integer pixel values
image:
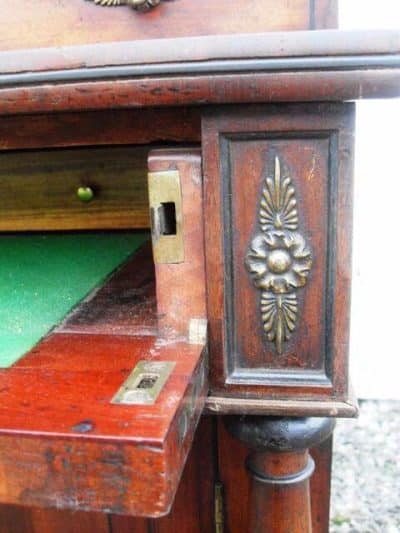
(47, 23)
(193, 509)
(16, 519)
(277, 212)
(181, 285)
(236, 481)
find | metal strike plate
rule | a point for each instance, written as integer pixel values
(144, 383)
(165, 199)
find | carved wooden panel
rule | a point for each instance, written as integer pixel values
(278, 230)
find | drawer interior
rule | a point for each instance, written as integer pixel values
(43, 276)
(74, 189)
(100, 390)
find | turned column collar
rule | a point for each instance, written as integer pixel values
(281, 434)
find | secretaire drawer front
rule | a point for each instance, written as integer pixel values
(278, 189)
(73, 189)
(42, 23)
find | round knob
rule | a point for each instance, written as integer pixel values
(85, 194)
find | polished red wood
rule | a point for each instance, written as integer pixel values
(307, 139)
(46, 23)
(181, 286)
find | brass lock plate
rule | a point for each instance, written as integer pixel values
(144, 383)
(165, 199)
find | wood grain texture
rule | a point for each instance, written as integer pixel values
(193, 509)
(38, 190)
(295, 86)
(105, 128)
(57, 419)
(18, 519)
(236, 145)
(49, 23)
(124, 305)
(322, 47)
(320, 484)
(237, 483)
(45, 402)
(181, 286)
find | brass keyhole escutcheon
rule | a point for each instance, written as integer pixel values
(85, 194)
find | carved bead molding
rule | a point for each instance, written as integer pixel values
(139, 5)
(278, 258)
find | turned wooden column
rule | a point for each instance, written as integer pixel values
(280, 467)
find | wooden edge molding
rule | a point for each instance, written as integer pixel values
(219, 405)
(256, 87)
(215, 53)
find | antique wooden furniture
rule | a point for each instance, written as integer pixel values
(228, 128)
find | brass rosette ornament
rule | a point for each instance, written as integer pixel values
(139, 5)
(279, 260)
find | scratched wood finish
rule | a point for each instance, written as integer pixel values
(193, 509)
(260, 87)
(18, 519)
(124, 305)
(38, 190)
(181, 286)
(104, 128)
(314, 144)
(237, 483)
(65, 428)
(89, 454)
(48, 23)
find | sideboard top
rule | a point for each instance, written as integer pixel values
(322, 65)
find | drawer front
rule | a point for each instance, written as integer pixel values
(278, 191)
(73, 189)
(43, 23)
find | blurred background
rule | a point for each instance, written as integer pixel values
(366, 468)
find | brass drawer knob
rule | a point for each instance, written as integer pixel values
(139, 5)
(85, 194)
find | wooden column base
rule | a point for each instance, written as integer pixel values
(280, 467)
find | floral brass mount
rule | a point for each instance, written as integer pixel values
(278, 258)
(139, 5)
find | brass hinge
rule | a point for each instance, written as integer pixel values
(219, 507)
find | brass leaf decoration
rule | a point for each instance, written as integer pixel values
(279, 259)
(140, 5)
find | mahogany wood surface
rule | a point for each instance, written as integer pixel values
(295, 86)
(39, 190)
(321, 47)
(124, 305)
(57, 420)
(108, 127)
(104, 128)
(237, 483)
(193, 509)
(279, 467)
(315, 142)
(18, 519)
(63, 427)
(181, 287)
(48, 23)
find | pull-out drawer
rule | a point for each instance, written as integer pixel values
(93, 188)
(100, 414)
(178, 18)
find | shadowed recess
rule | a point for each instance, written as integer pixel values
(43, 276)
